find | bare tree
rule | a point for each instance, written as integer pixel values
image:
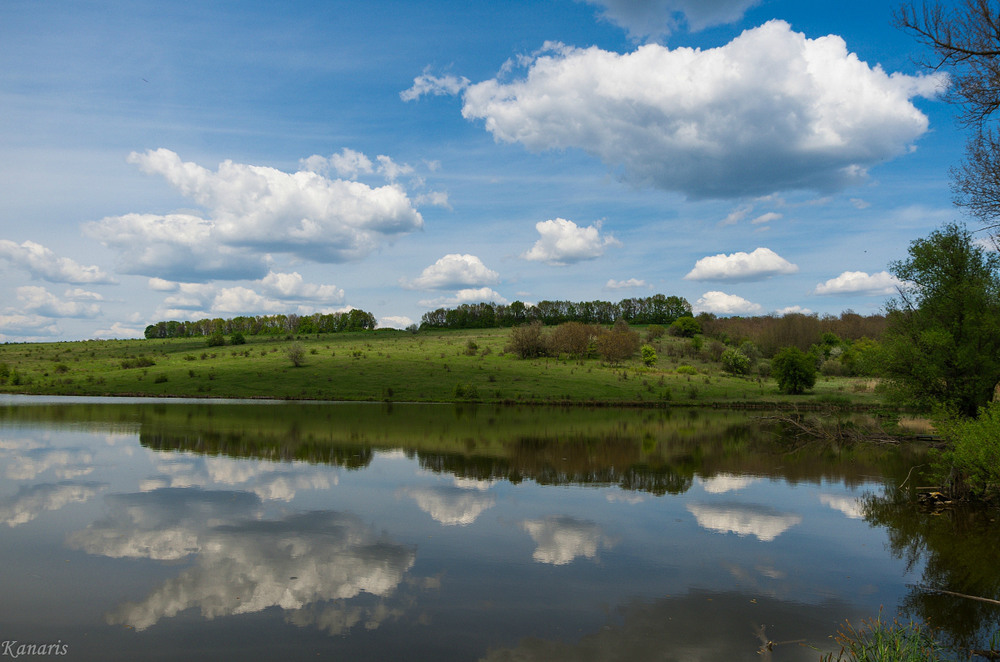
(965, 40)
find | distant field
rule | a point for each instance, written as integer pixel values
(430, 366)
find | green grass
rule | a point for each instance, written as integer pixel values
(432, 366)
(880, 641)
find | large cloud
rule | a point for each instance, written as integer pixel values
(35, 299)
(276, 292)
(258, 209)
(859, 282)
(660, 18)
(563, 242)
(466, 295)
(761, 263)
(771, 110)
(42, 263)
(454, 271)
(721, 303)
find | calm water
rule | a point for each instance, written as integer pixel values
(177, 530)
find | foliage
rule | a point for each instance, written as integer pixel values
(296, 353)
(879, 641)
(794, 370)
(237, 339)
(137, 362)
(526, 341)
(687, 370)
(685, 327)
(971, 460)
(618, 345)
(966, 43)
(573, 338)
(648, 355)
(942, 347)
(216, 340)
(735, 362)
(265, 325)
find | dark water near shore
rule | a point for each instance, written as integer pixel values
(135, 530)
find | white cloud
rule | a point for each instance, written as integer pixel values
(761, 263)
(348, 163)
(806, 113)
(736, 215)
(721, 303)
(17, 324)
(468, 295)
(660, 18)
(629, 284)
(454, 271)
(42, 263)
(293, 287)
(859, 282)
(790, 310)
(390, 169)
(38, 300)
(766, 218)
(560, 540)
(119, 330)
(563, 242)
(394, 322)
(447, 85)
(765, 524)
(255, 208)
(433, 198)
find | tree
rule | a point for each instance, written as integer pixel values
(685, 327)
(942, 345)
(794, 369)
(619, 344)
(736, 362)
(965, 40)
(296, 354)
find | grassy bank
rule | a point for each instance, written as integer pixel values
(433, 366)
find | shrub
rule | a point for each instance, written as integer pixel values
(573, 338)
(237, 339)
(686, 370)
(216, 340)
(527, 341)
(685, 327)
(619, 344)
(735, 362)
(654, 331)
(972, 460)
(795, 370)
(296, 354)
(137, 362)
(648, 355)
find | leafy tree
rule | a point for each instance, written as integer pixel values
(296, 353)
(527, 341)
(794, 369)
(685, 327)
(942, 345)
(237, 339)
(648, 355)
(736, 362)
(618, 345)
(216, 340)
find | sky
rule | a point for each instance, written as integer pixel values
(163, 160)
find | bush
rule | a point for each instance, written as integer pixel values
(137, 362)
(686, 370)
(654, 331)
(971, 463)
(795, 370)
(216, 340)
(685, 327)
(237, 339)
(527, 341)
(618, 345)
(735, 362)
(573, 338)
(648, 355)
(296, 354)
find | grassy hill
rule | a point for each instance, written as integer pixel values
(430, 366)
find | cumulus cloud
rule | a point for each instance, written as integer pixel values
(762, 522)
(789, 310)
(451, 506)
(18, 324)
(347, 163)
(859, 282)
(292, 287)
(661, 18)
(563, 242)
(561, 539)
(38, 300)
(453, 271)
(42, 263)
(631, 283)
(467, 295)
(118, 330)
(394, 322)
(274, 293)
(761, 263)
(771, 110)
(427, 83)
(253, 209)
(721, 303)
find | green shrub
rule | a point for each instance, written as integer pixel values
(216, 340)
(735, 362)
(686, 370)
(654, 331)
(296, 354)
(685, 327)
(794, 369)
(137, 362)
(648, 355)
(237, 339)
(971, 462)
(527, 341)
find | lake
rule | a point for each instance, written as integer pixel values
(214, 530)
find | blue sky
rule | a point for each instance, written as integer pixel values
(189, 160)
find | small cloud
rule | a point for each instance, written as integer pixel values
(433, 198)
(447, 85)
(348, 163)
(631, 283)
(859, 282)
(390, 169)
(451, 271)
(563, 242)
(42, 263)
(792, 310)
(394, 322)
(38, 300)
(860, 204)
(721, 303)
(118, 330)
(761, 263)
(766, 218)
(469, 295)
(736, 216)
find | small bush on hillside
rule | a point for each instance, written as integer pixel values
(216, 340)
(735, 362)
(296, 354)
(685, 327)
(237, 339)
(648, 355)
(527, 341)
(618, 345)
(795, 370)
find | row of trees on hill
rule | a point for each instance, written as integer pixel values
(352, 320)
(657, 309)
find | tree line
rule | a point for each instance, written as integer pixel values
(352, 320)
(657, 309)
